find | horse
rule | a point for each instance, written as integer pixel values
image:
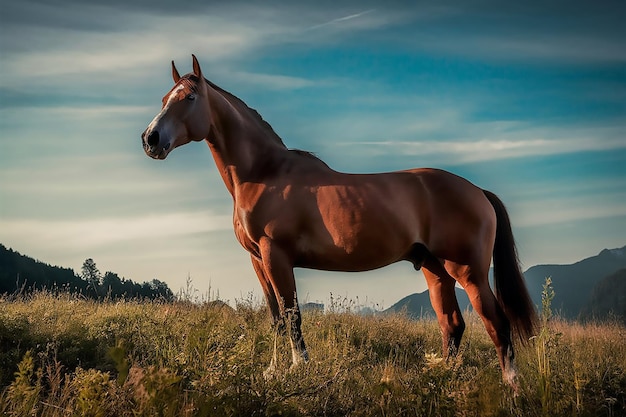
(290, 209)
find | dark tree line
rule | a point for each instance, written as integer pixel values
(19, 273)
(110, 285)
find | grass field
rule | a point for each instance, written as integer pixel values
(61, 355)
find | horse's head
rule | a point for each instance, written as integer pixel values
(184, 116)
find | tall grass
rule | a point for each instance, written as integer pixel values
(61, 355)
(545, 345)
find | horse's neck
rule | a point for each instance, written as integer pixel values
(240, 144)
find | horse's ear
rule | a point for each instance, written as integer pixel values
(175, 74)
(196, 67)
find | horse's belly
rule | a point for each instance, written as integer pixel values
(344, 264)
(351, 257)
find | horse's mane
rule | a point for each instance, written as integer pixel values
(240, 103)
(306, 154)
(255, 114)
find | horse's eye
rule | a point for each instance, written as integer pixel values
(191, 96)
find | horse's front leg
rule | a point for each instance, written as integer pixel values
(299, 353)
(278, 269)
(270, 296)
(278, 322)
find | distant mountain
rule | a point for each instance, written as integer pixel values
(574, 283)
(573, 286)
(608, 298)
(418, 305)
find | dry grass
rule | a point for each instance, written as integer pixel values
(61, 356)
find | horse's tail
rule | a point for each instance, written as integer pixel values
(509, 283)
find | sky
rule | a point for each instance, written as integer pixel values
(526, 99)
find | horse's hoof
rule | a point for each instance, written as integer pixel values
(510, 378)
(270, 372)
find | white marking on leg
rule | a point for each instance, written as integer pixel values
(298, 356)
(271, 369)
(509, 374)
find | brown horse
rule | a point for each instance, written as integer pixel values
(292, 210)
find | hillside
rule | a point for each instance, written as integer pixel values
(573, 285)
(418, 305)
(22, 274)
(18, 271)
(608, 298)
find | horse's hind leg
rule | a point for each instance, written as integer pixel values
(496, 323)
(444, 302)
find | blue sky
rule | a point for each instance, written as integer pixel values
(526, 100)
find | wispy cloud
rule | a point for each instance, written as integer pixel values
(105, 54)
(460, 151)
(431, 128)
(546, 46)
(266, 81)
(226, 37)
(576, 208)
(341, 19)
(107, 232)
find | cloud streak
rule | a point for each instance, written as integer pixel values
(459, 152)
(554, 211)
(341, 19)
(91, 234)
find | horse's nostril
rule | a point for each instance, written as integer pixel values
(153, 138)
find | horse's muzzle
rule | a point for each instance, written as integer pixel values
(151, 145)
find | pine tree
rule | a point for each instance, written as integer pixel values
(91, 274)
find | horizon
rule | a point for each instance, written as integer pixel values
(525, 100)
(214, 295)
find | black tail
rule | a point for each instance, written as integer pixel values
(510, 288)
